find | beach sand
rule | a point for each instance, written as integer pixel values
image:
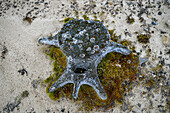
(23, 65)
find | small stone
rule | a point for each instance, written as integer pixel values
(15, 6)
(139, 104)
(168, 23)
(62, 110)
(22, 71)
(159, 6)
(159, 13)
(163, 32)
(154, 23)
(42, 1)
(106, 3)
(160, 84)
(47, 110)
(166, 40)
(36, 2)
(35, 7)
(32, 109)
(110, 2)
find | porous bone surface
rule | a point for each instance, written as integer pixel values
(83, 39)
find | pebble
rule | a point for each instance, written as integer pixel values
(22, 72)
(166, 40)
(42, 1)
(139, 104)
(36, 2)
(160, 84)
(48, 111)
(62, 110)
(168, 23)
(154, 23)
(159, 13)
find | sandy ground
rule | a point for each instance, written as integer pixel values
(23, 65)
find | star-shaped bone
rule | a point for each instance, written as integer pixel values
(84, 43)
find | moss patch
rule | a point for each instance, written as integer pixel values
(116, 72)
(143, 38)
(67, 20)
(85, 17)
(24, 94)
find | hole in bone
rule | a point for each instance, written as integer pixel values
(80, 70)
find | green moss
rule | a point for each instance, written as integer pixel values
(111, 31)
(115, 73)
(130, 20)
(143, 38)
(47, 80)
(148, 52)
(102, 13)
(115, 80)
(77, 14)
(157, 68)
(113, 35)
(95, 17)
(52, 96)
(59, 64)
(126, 43)
(24, 94)
(85, 17)
(67, 20)
(96, 20)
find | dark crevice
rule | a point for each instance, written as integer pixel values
(80, 70)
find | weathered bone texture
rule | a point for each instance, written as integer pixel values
(85, 43)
